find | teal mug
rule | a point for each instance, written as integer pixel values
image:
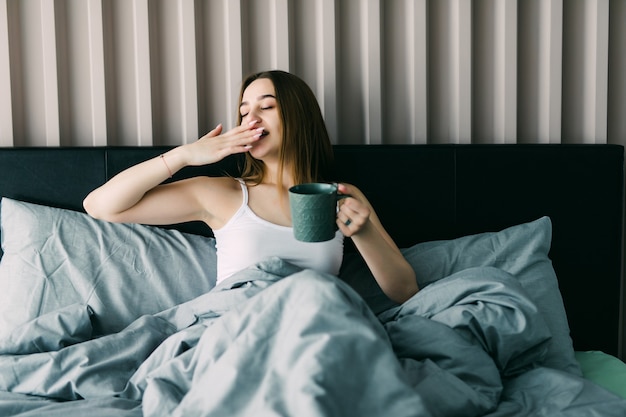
(314, 211)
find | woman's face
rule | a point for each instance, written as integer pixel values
(259, 104)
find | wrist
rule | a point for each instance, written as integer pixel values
(173, 160)
(169, 171)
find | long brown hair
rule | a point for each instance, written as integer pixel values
(306, 147)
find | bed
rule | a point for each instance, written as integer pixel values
(517, 251)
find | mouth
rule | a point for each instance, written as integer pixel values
(261, 136)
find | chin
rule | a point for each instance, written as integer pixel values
(258, 151)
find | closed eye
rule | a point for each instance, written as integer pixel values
(262, 108)
(245, 105)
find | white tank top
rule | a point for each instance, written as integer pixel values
(247, 239)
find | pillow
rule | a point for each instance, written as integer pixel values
(54, 258)
(49, 332)
(520, 250)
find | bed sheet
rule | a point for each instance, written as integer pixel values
(604, 369)
(277, 340)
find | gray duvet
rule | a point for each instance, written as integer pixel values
(275, 340)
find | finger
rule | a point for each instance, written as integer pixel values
(347, 226)
(351, 223)
(246, 126)
(244, 130)
(343, 188)
(350, 220)
(237, 131)
(240, 129)
(342, 217)
(356, 211)
(343, 228)
(231, 142)
(350, 207)
(216, 131)
(240, 137)
(247, 142)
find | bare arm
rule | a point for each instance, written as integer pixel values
(136, 194)
(391, 270)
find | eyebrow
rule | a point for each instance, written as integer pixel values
(259, 98)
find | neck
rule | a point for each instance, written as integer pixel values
(271, 176)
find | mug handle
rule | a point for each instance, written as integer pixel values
(340, 196)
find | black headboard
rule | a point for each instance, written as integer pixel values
(426, 192)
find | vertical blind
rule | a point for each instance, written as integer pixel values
(164, 72)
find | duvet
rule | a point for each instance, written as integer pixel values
(275, 340)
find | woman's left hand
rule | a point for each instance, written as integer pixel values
(354, 211)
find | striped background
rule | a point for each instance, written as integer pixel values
(144, 72)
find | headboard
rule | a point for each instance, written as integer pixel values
(422, 193)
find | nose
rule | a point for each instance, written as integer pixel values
(252, 115)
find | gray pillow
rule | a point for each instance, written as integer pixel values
(54, 258)
(49, 332)
(520, 250)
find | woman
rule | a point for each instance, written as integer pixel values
(284, 138)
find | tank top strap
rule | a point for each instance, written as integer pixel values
(244, 190)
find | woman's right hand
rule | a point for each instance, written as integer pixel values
(215, 145)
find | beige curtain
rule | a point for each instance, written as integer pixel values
(144, 72)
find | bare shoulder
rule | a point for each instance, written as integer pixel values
(221, 197)
(216, 184)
